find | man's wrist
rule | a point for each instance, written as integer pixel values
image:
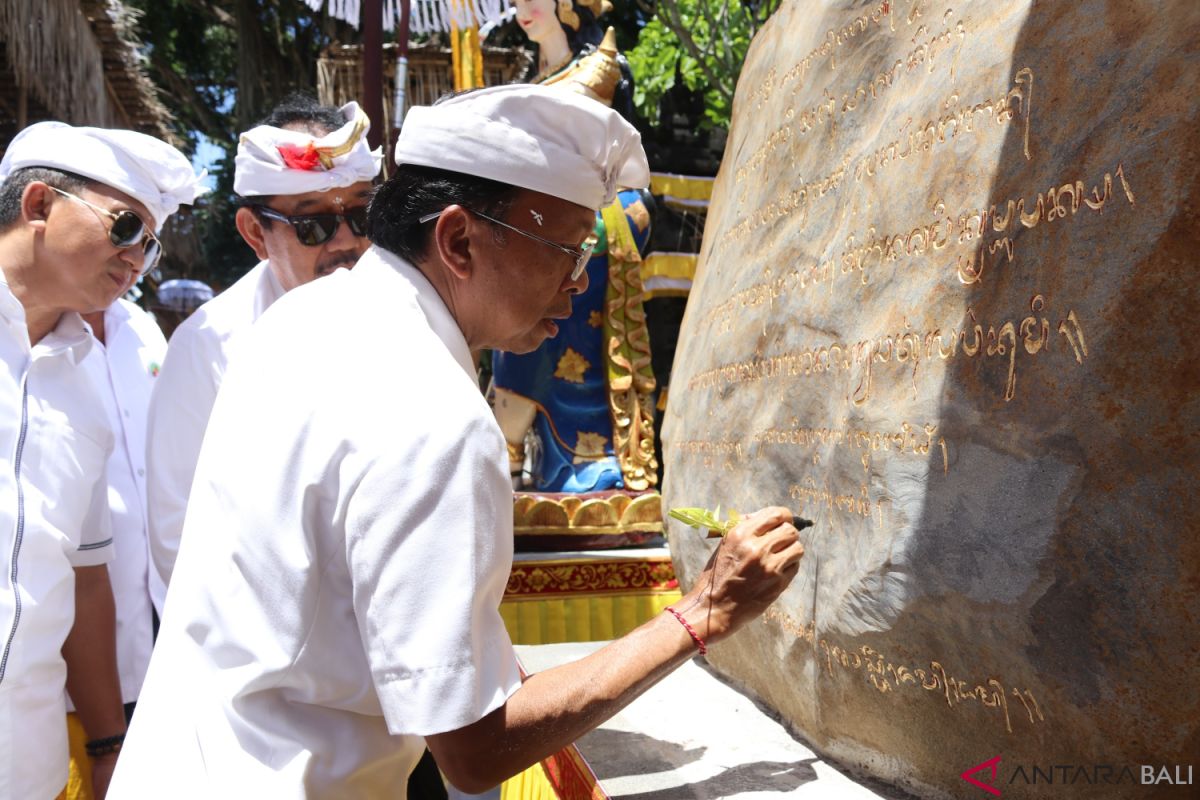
(105, 746)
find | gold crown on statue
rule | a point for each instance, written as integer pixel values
(566, 10)
(596, 74)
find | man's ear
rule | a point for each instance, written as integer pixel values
(452, 240)
(251, 229)
(35, 203)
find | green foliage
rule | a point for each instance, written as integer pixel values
(701, 43)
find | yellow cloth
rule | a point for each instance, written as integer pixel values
(79, 778)
(465, 52)
(684, 187)
(669, 265)
(528, 785)
(596, 618)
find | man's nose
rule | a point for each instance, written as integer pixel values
(578, 285)
(344, 238)
(134, 256)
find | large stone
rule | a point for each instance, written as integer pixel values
(944, 309)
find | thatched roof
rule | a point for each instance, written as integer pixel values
(77, 61)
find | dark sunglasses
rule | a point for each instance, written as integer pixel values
(317, 229)
(127, 230)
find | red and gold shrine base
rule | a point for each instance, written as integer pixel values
(581, 598)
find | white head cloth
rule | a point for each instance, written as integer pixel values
(277, 161)
(147, 169)
(536, 137)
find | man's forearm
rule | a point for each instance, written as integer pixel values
(753, 564)
(91, 655)
(555, 707)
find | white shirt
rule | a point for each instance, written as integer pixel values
(124, 370)
(183, 398)
(53, 517)
(343, 599)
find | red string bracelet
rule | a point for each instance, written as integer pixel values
(691, 631)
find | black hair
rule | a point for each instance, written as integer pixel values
(412, 192)
(13, 188)
(300, 109)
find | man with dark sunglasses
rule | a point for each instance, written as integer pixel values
(79, 213)
(304, 176)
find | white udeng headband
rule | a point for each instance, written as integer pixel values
(535, 137)
(273, 161)
(147, 169)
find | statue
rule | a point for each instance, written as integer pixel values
(587, 394)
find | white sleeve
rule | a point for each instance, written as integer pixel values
(429, 548)
(180, 406)
(96, 538)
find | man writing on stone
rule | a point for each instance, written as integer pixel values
(79, 208)
(341, 609)
(304, 175)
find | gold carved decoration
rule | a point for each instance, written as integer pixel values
(569, 577)
(627, 354)
(640, 215)
(566, 13)
(596, 319)
(574, 515)
(595, 75)
(571, 367)
(589, 446)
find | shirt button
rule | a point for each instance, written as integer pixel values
(141, 472)
(126, 413)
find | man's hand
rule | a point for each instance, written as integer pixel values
(750, 568)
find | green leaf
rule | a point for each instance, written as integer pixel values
(704, 519)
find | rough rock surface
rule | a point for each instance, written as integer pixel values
(945, 309)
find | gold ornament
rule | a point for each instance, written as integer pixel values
(566, 13)
(571, 367)
(595, 75)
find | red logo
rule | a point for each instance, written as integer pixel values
(990, 766)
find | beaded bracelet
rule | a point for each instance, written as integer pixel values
(691, 631)
(106, 746)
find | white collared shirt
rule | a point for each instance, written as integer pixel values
(197, 357)
(53, 517)
(124, 369)
(343, 599)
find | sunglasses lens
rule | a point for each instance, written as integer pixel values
(127, 229)
(316, 229)
(152, 252)
(357, 219)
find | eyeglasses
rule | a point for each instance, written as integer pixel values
(127, 230)
(581, 255)
(317, 229)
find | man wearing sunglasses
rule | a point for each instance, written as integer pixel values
(335, 606)
(304, 176)
(79, 212)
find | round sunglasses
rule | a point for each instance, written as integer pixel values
(317, 229)
(127, 230)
